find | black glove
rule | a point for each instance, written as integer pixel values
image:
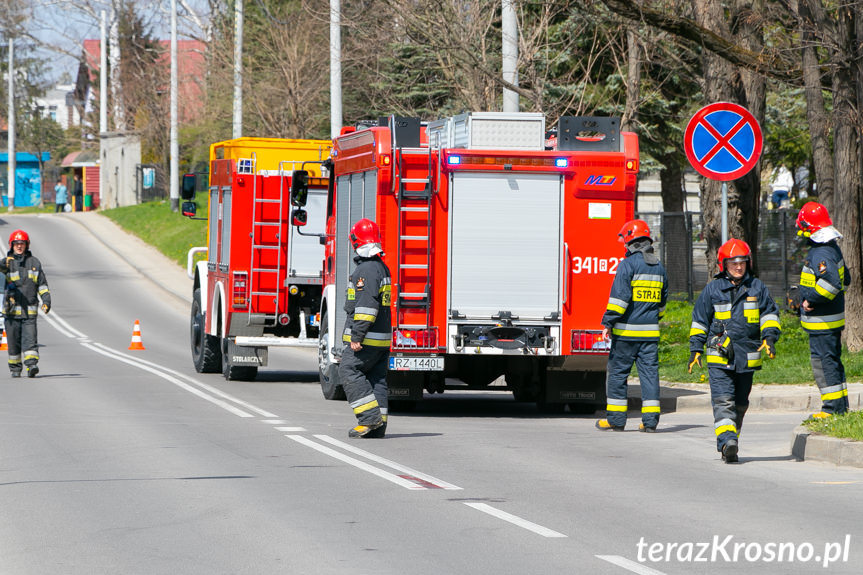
(695, 358)
(768, 345)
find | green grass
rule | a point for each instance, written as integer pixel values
(168, 231)
(848, 425)
(173, 235)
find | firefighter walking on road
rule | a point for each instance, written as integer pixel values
(823, 281)
(737, 319)
(635, 306)
(367, 335)
(25, 284)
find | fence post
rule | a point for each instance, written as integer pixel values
(690, 264)
(784, 254)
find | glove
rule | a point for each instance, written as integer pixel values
(694, 358)
(769, 346)
(46, 307)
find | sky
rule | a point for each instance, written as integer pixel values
(61, 26)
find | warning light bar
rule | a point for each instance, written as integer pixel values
(453, 160)
(529, 161)
(561, 162)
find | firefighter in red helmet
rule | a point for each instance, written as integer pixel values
(367, 334)
(737, 319)
(823, 282)
(635, 305)
(25, 286)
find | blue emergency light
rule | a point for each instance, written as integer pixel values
(561, 162)
(453, 160)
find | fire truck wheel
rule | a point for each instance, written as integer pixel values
(328, 371)
(237, 372)
(206, 354)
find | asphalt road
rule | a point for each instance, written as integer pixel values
(119, 461)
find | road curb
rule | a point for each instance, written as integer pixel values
(806, 445)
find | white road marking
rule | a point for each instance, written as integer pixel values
(274, 421)
(62, 326)
(165, 376)
(356, 462)
(210, 388)
(514, 519)
(294, 429)
(630, 565)
(434, 481)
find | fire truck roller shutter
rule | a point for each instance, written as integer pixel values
(306, 252)
(356, 198)
(505, 244)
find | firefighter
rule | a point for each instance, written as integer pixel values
(367, 335)
(823, 281)
(635, 306)
(733, 315)
(25, 285)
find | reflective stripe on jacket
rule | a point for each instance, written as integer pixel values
(637, 299)
(745, 313)
(823, 281)
(368, 304)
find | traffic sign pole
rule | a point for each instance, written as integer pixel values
(724, 212)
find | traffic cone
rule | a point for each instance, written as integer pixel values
(3, 342)
(136, 337)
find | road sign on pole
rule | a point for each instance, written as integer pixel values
(723, 141)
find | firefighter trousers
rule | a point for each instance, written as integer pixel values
(825, 355)
(364, 378)
(645, 356)
(22, 341)
(729, 395)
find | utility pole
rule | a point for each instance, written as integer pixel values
(335, 68)
(175, 147)
(509, 31)
(11, 122)
(238, 68)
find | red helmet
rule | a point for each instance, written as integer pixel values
(19, 236)
(365, 232)
(632, 230)
(733, 249)
(811, 218)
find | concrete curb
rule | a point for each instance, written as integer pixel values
(806, 445)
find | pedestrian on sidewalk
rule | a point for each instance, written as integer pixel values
(823, 281)
(25, 285)
(60, 197)
(79, 193)
(733, 315)
(635, 306)
(367, 335)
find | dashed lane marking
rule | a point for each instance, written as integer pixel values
(514, 519)
(294, 429)
(630, 565)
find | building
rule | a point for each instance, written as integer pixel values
(28, 178)
(59, 105)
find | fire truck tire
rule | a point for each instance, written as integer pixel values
(206, 353)
(328, 371)
(237, 372)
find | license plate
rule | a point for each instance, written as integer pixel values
(414, 363)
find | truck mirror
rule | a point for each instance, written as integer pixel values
(299, 217)
(300, 188)
(190, 184)
(190, 209)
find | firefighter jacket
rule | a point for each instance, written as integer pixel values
(732, 321)
(638, 295)
(368, 304)
(823, 281)
(25, 284)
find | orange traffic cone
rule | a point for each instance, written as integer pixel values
(3, 342)
(136, 337)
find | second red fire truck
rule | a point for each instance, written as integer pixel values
(502, 247)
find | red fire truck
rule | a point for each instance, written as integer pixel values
(502, 246)
(261, 284)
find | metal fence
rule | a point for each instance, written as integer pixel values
(680, 245)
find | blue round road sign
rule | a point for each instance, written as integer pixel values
(723, 141)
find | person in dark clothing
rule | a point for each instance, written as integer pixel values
(635, 306)
(823, 282)
(367, 334)
(25, 285)
(79, 194)
(732, 316)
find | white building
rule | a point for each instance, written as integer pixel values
(58, 104)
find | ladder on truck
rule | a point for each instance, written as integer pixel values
(414, 194)
(260, 247)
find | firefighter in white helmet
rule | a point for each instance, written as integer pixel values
(25, 285)
(367, 335)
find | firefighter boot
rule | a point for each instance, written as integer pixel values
(378, 433)
(15, 373)
(729, 451)
(646, 428)
(32, 371)
(603, 425)
(365, 431)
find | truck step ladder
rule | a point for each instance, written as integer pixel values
(262, 245)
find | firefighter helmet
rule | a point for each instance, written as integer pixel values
(365, 232)
(811, 218)
(19, 236)
(734, 250)
(632, 230)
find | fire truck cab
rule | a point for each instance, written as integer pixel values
(502, 247)
(261, 283)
